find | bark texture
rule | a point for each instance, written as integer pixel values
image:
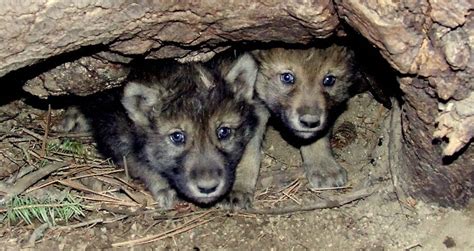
(429, 42)
(38, 29)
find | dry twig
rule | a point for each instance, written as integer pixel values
(319, 189)
(330, 203)
(31, 133)
(37, 234)
(289, 191)
(102, 197)
(93, 222)
(30, 179)
(280, 161)
(46, 132)
(125, 166)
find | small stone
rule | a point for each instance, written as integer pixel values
(449, 242)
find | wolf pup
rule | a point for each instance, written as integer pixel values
(181, 128)
(302, 88)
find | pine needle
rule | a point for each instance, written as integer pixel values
(67, 146)
(48, 211)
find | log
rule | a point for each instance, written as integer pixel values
(81, 47)
(431, 44)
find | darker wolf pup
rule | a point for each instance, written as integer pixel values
(181, 128)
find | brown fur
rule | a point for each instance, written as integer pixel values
(306, 107)
(307, 95)
(241, 195)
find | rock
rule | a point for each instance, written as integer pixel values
(83, 76)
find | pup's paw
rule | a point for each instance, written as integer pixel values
(165, 197)
(238, 200)
(320, 177)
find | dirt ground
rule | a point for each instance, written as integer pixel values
(119, 214)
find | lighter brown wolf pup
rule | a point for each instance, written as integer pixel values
(302, 88)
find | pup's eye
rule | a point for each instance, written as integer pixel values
(287, 78)
(178, 138)
(223, 132)
(329, 80)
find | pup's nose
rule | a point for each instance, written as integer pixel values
(207, 179)
(207, 189)
(310, 121)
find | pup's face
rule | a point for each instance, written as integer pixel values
(302, 86)
(193, 131)
(198, 153)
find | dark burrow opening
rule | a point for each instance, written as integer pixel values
(379, 77)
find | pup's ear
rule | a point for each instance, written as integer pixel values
(242, 76)
(140, 102)
(258, 55)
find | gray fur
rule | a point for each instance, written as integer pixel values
(160, 99)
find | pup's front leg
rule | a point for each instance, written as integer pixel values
(159, 187)
(320, 167)
(248, 169)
